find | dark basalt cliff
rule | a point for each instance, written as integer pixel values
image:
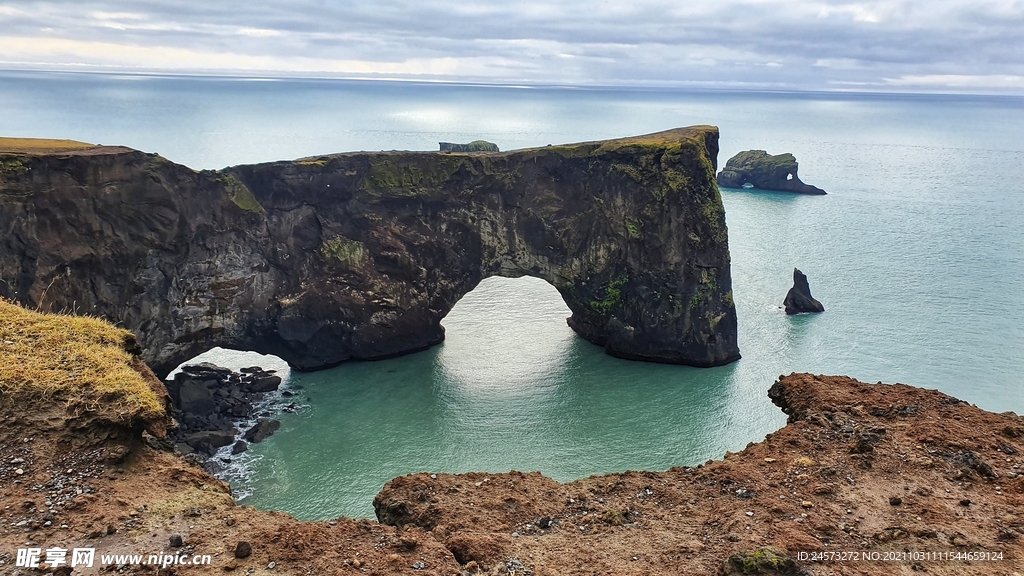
(360, 255)
(764, 171)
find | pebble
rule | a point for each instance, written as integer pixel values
(272, 565)
(750, 513)
(176, 541)
(19, 471)
(807, 504)
(243, 550)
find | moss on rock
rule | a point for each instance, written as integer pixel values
(240, 194)
(344, 250)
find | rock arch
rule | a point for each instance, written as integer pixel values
(360, 255)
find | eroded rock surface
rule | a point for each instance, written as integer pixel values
(360, 255)
(764, 171)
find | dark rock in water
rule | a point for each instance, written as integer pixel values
(359, 256)
(206, 369)
(267, 383)
(799, 299)
(474, 146)
(192, 396)
(239, 447)
(261, 430)
(209, 441)
(764, 171)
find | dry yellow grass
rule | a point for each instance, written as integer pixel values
(81, 361)
(40, 145)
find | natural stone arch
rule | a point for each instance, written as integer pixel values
(360, 255)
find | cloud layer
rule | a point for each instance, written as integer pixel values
(969, 45)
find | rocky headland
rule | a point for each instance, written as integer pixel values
(885, 474)
(766, 172)
(360, 255)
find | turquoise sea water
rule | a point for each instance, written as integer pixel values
(917, 254)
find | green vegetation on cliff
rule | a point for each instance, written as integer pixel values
(398, 177)
(612, 296)
(344, 250)
(240, 194)
(83, 362)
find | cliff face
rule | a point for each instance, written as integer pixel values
(359, 256)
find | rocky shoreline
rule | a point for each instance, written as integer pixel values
(869, 469)
(214, 407)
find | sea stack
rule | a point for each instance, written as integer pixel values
(760, 169)
(799, 299)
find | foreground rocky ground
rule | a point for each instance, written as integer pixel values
(859, 469)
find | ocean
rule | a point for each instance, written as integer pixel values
(917, 254)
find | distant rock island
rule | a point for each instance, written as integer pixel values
(474, 146)
(799, 299)
(762, 170)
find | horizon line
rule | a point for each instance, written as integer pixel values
(653, 86)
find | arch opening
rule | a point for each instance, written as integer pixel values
(506, 334)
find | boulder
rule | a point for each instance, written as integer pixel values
(263, 428)
(764, 171)
(193, 396)
(265, 383)
(209, 441)
(799, 298)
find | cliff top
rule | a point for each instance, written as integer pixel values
(695, 134)
(82, 362)
(40, 146)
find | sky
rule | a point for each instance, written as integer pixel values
(935, 45)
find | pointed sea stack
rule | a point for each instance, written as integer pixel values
(799, 298)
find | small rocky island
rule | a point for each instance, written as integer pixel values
(799, 299)
(761, 170)
(474, 146)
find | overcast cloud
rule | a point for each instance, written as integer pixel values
(936, 45)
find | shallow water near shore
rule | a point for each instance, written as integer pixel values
(917, 254)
